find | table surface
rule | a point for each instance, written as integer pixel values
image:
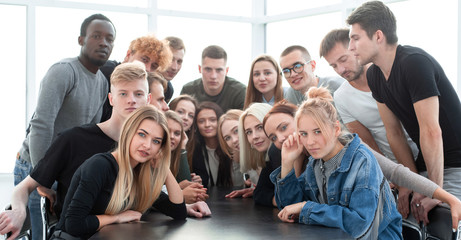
(231, 219)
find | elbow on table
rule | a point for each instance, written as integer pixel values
(181, 214)
(75, 228)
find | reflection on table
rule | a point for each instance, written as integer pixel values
(231, 219)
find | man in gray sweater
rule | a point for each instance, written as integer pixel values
(71, 94)
(298, 69)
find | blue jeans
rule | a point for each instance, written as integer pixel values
(23, 168)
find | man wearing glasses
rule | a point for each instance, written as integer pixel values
(298, 69)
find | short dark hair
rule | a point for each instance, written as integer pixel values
(214, 52)
(333, 37)
(176, 43)
(373, 16)
(89, 19)
(293, 48)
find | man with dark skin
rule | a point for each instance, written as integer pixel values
(71, 94)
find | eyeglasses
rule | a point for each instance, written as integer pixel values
(297, 68)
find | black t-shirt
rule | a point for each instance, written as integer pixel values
(107, 70)
(89, 195)
(415, 75)
(67, 152)
(264, 191)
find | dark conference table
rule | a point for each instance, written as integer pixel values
(230, 219)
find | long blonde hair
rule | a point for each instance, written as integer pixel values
(175, 154)
(252, 94)
(232, 114)
(137, 188)
(251, 158)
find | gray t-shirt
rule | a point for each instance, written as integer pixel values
(70, 95)
(332, 83)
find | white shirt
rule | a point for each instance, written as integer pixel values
(355, 105)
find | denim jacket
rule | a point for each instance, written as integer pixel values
(359, 198)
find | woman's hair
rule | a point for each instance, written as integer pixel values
(280, 107)
(198, 147)
(175, 154)
(191, 133)
(232, 114)
(320, 107)
(174, 103)
(252, 94)
(251, 158)
(137, 188)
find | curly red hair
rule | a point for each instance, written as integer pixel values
(154, 48)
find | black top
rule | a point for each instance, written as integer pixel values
(169, 92)
(67, 152)
(107, 70)
(415, 75)
(200, 162)
(231, 218)
(91, 189)
(264, 191)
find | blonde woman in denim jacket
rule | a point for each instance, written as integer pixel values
(342, 186)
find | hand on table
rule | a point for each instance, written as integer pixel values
(244, 193)
(199, 209)
(196, 178)
(291, 212)
(195, 192)
(128, 216)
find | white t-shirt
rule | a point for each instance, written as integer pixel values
(355, 105)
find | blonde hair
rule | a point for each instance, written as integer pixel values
(128, 72)
(154, 48)
(232, 114)
(252, 94)
(175, 154)
(137, 188)
(251, 158)
(319, 105)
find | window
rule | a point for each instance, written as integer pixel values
(56, 39)
(426, 29)
(275, 7)
(197, 34)
(199, 23)
(13, 97)
(233, 8)
(130, 3)
(306, 32)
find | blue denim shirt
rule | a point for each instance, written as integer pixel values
(359, 198)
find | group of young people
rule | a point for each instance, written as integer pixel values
(322, 151)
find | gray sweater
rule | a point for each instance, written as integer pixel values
(331, 83)
(70, 95)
